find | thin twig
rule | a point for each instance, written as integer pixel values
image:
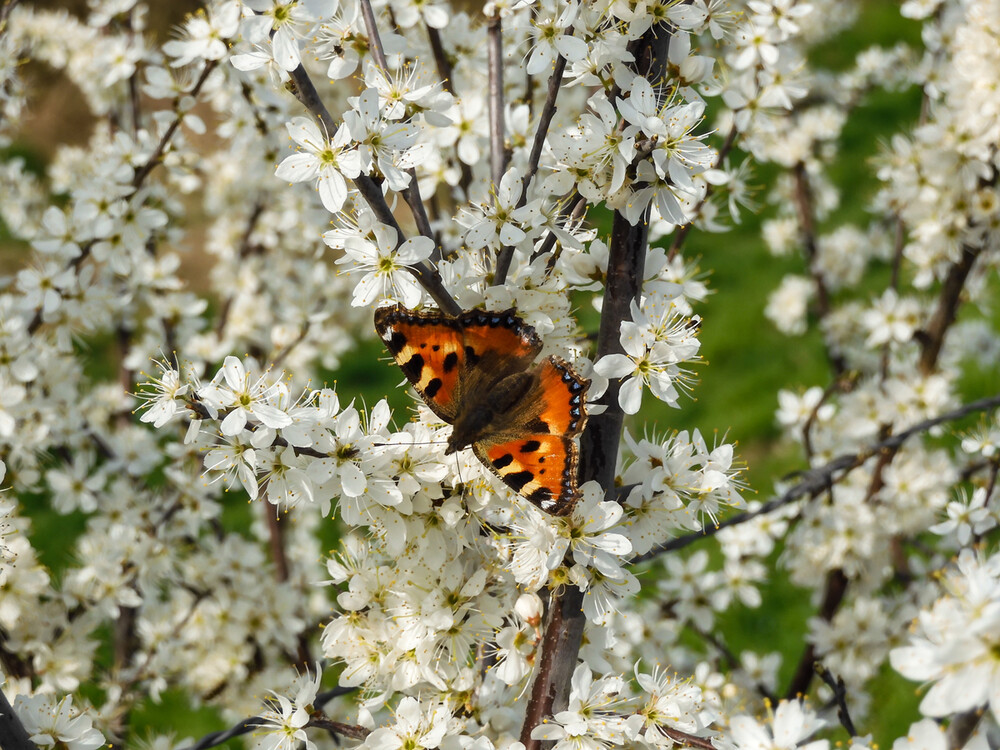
(932, 337)
(254, 722)
(689, 740)
(142, 172)
(441, 59)
(807, 226)
(814, 481)
(548, 110)
(411, 193)
(833, 595)
(839, 696)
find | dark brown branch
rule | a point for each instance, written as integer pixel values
(441, 59)
(814, 481)
(374, 40)
(833, 595)
(563, 633)
(13, 735)
(254, 722)
(962, 726)
(932, 338)
(411, 193)
(688, 740)
(601, 439)
(350, 731)
(807, 226)
(836, 684)
(494, 48)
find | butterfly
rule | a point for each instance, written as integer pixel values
(477, 372)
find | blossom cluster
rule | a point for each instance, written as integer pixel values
(238, 527)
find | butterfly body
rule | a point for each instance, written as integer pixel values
(477, 371)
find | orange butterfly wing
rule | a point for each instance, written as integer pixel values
(429, 349)
(541, 461)
(451, 361)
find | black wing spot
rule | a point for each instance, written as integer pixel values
(470, 356)
(397, 341)
(516, 480)
(541, 496)
(541, 459)
(433, 387)
(413, 367)
(541, 471)
(423, 346)
(451, 360)
(539, 426)
(436, 347)
(503, 462)
(531, 446)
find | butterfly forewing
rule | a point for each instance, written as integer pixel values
(429, 349)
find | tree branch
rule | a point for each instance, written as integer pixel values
(602, 436)
(836, 684)
(302, 88)
(13, 735)
(494, 48)
(814, 481)
(254, 722)
(544, 120)
(932, 338)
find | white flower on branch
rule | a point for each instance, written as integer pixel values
(954, 643)
(386, 265)
(327, 160)
(790, 726)
(56, 724)
(283, 720)
(655, 348)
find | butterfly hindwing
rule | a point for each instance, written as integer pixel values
(429, 349)
(562, 395)
(541, 468)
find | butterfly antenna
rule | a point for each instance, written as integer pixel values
(408, 445)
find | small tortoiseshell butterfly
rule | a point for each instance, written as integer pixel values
(477, 372)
